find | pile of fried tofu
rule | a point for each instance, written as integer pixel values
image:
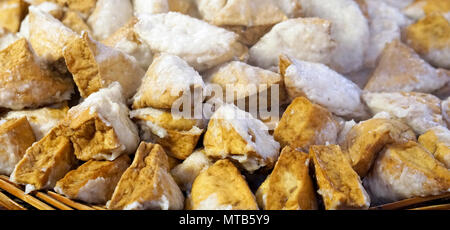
(88, 90)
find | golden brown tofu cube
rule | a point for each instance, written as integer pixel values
(95, 66)
(178, 136)
(366, 139)
(12, 13)
(289, 186)
(16, 136)
(45, 162)
(430, 37)
(147, 183)
(304, 124)
(221, 187)
(94, 181)
(233, 133)
(404, 171)
(339, 185)
(437, 142)
(26, 82)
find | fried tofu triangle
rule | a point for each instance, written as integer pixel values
(221, 187)
(289, 187)
(45, 162)
(94, 181)
(404, 171)
(169, 80)
(401, 69)
(26, 82)
(430, 37)
(233, 133)
(366, 139)
(100, 127)
(339, 185)
(304, 124)
(147, 183)
(16, 136)
(95, 66)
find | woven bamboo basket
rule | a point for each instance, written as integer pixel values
(13, 197)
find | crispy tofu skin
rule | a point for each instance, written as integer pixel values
(430, 37)
(16, 136)
(12, 12)
(339, 185)
(289, 186)
(437, 142)
(221, 187)
(147, 183)
(75, 22)
(95, 66)
(26, 82)
(94, 181)
(366, 139)
(179, 136)
(404, 171)
(45, 162)
(304, 124)
(91, 137)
